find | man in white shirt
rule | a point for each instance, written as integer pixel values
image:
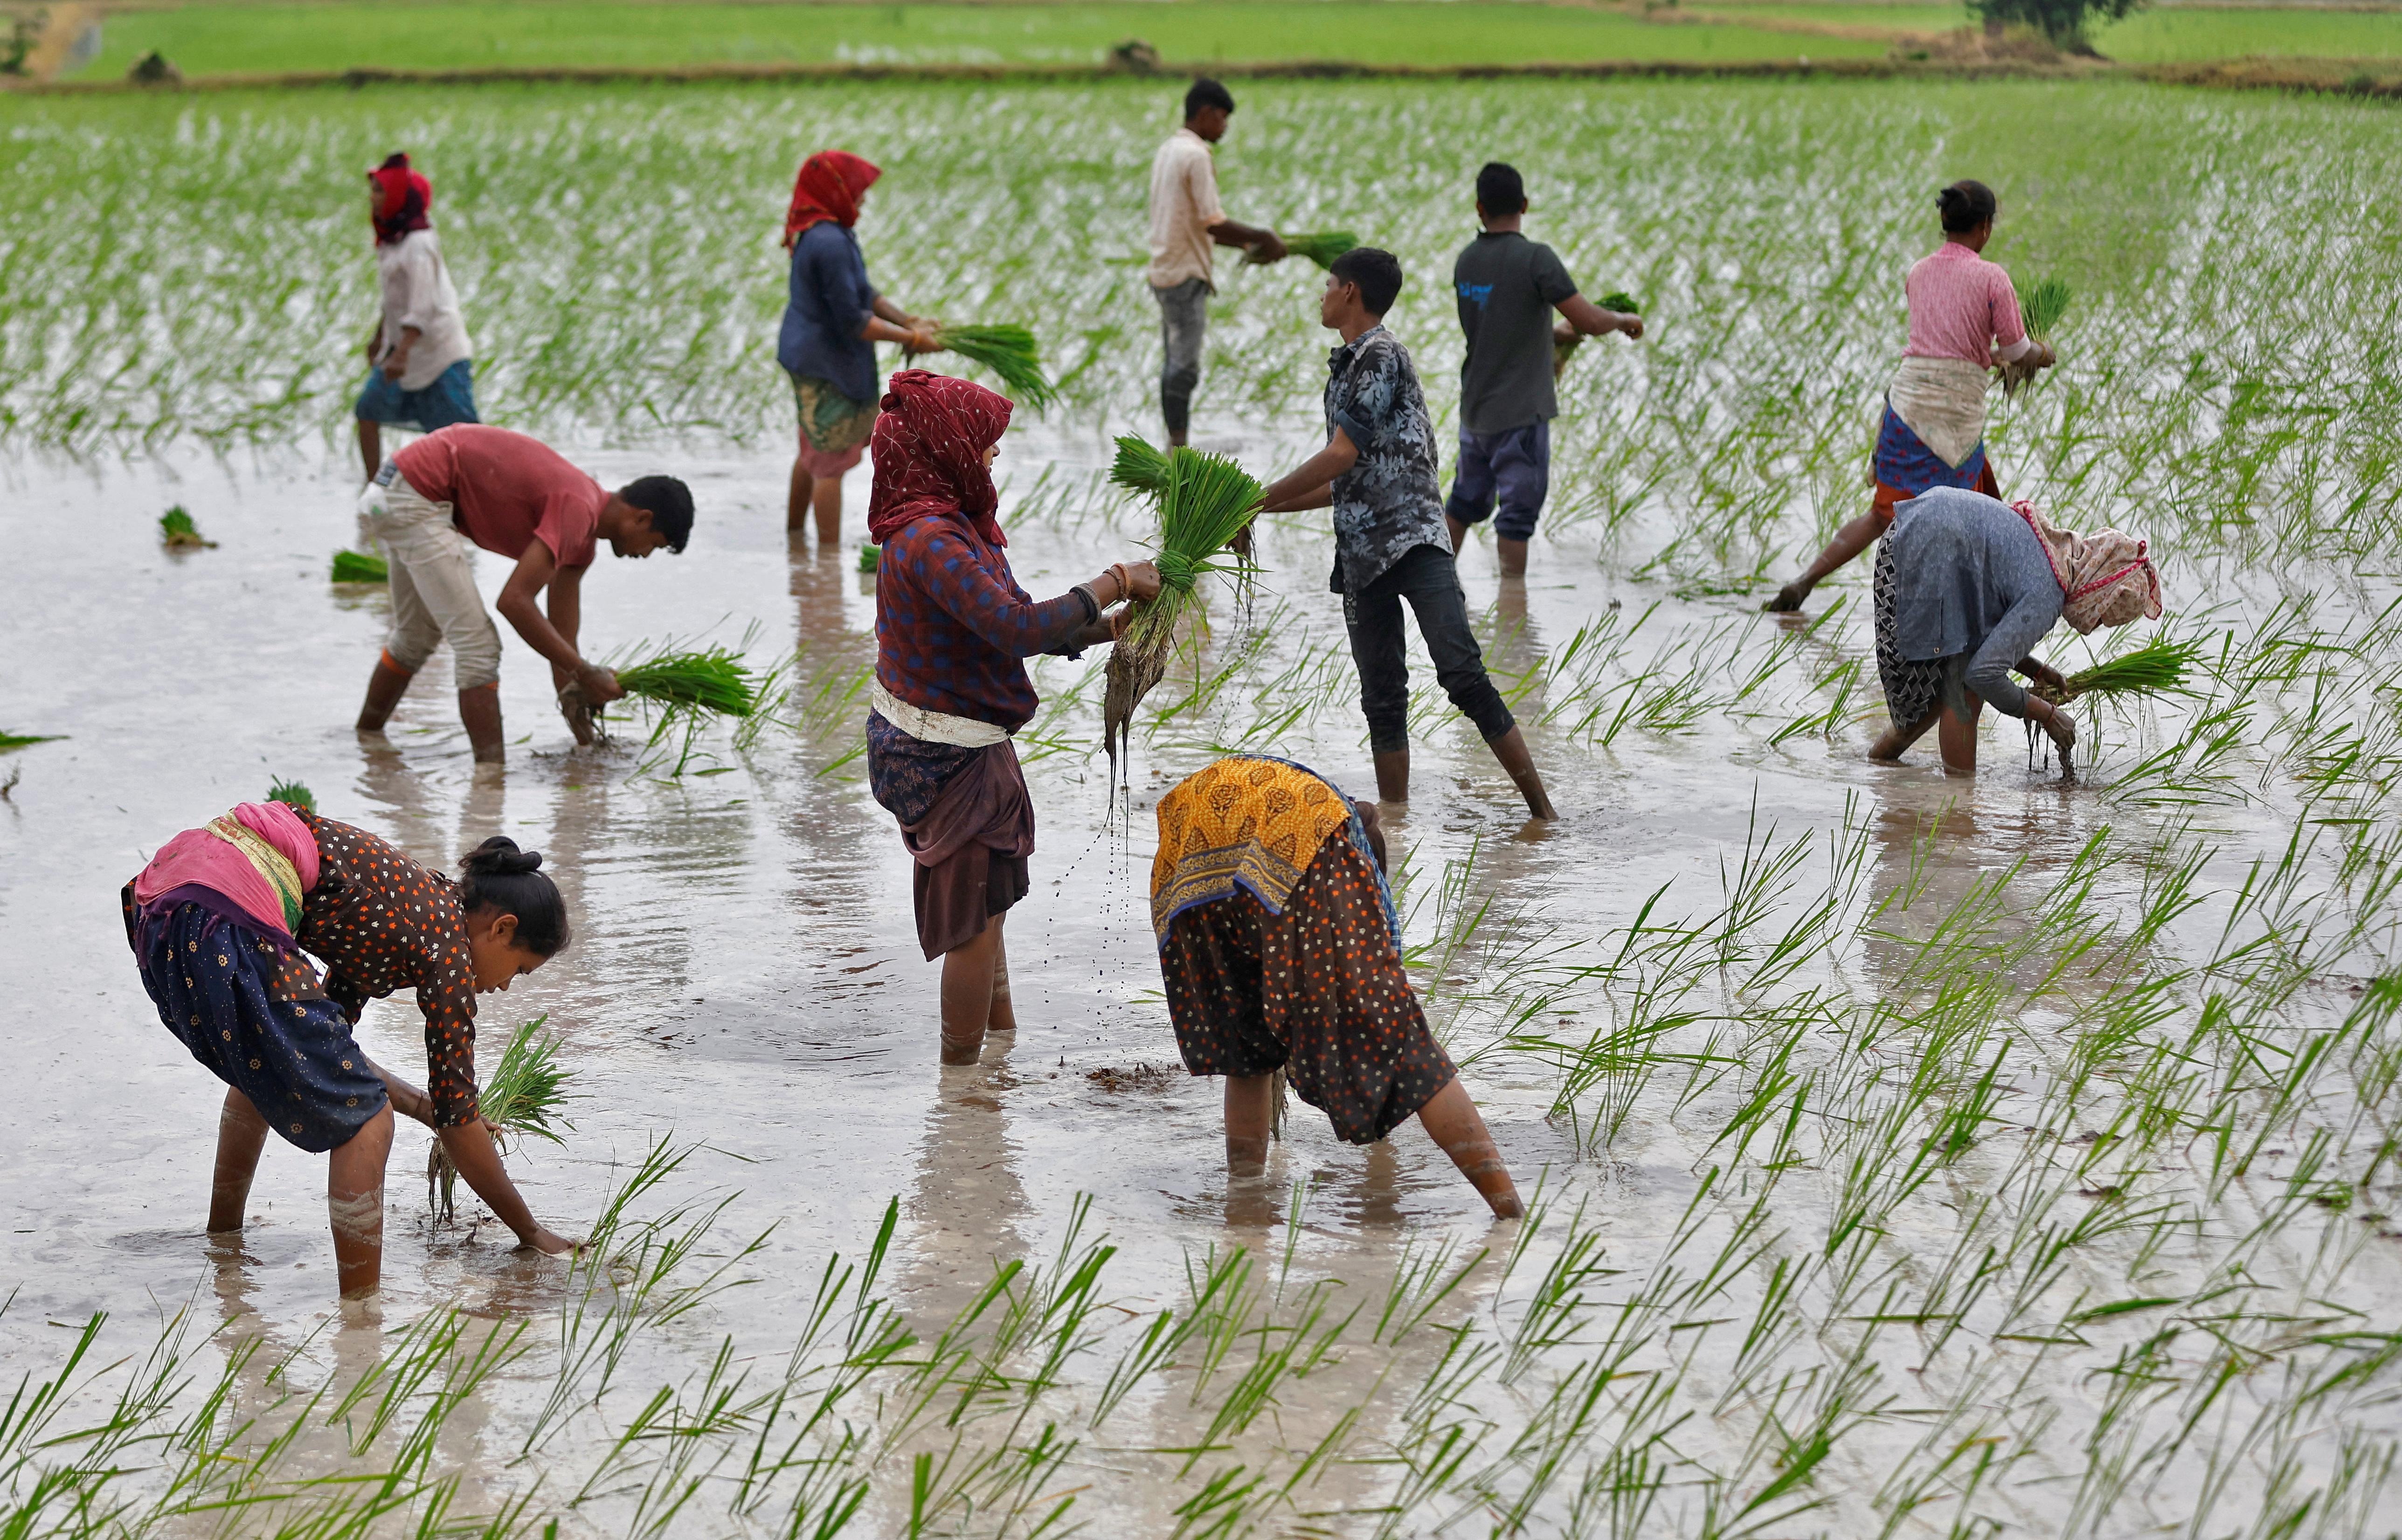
(1185, 222)
(420, 372)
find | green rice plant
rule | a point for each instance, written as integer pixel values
(1008, 352)
(2158, 668)
(1206, 502)
(361, 567)
(686, 690)
(292, 792)
(522, 1098)
(1321, 247)
(177, 531)
(1619, 300)
(2044, 303)
(11, 742)
(1139, 467)
(870, 555)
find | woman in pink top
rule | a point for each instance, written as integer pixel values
(1964, 322)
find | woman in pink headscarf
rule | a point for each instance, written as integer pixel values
(952, 626)
(832, 319)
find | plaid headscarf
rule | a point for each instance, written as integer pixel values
(399, 200)
(929, 450)
(828, 187)
(2106, 576)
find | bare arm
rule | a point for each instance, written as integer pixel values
(407, 1099)
(916, 335)
(1316, 475)
(1264, 243)
(471, 1150)
(535, 571)
(1591, 320)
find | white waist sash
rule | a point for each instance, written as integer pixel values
(1941, 400)
(932, 726)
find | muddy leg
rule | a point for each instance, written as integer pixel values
(385, 686)
(1510, 750)
(1453, 1121)
(1004, 1015)
(827, 502)
(241, 1134)
(479, 708)
(1958, 737)
(354, 1203)
(1895, 739)
(967, 995)
(1393, 776)
(1514, 556)
(796, 498)
(1458, 533)
(1250, 1112)
(370, 446)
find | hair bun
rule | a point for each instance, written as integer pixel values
(499, 857)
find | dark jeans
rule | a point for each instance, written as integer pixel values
(1184, 321)
(1426, 577)
(1516, 466)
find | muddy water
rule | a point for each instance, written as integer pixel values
(745, 975)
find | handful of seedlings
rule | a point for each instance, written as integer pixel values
(686, 688)
(1321, 247)
(2041, 307)
(1205, 500)
(1564, 346)
(292, 792)
(521, 1100)
(1139, 467)
(1008, 352)
(2158, 668)
(361, 567)
(177, 531)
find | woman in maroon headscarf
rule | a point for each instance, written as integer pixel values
(951, 626)
(833, 318)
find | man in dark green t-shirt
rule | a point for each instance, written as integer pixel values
(1507, 287)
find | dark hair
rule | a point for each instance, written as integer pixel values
(1205, 92)
(1499, 188)
(668, 501)
(501, 876)
(1965, 204)
(1377, 271)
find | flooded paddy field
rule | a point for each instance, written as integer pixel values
(1917, 1155)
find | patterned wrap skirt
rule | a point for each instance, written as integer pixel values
(252, 1011)
(1317, 991)
(1911, 688)
(1905, 467)
(834, 429)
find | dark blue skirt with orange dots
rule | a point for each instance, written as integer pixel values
(252, 1011)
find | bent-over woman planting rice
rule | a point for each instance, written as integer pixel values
(951, 627)
(219, 922)
(1281, 954)
(1963, 324)
(833, 320)
(1966, 586)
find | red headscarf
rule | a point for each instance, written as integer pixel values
(929, 448)
(401, 197)
(828, 188)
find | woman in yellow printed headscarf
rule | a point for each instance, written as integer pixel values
(1281, 951)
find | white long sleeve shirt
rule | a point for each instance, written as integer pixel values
(417, 292)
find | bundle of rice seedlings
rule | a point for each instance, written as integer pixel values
(521, 1099)
(177, 528)
(1008, 352)
(2044, 303)
(294, 792)
(1207, 499)
(12, 741)
(1322, 247)
(1139, 467)
(360, 567)
(2158, 668)
(1619, 300)
(870, 557)
(1563, 347)
(686, 689)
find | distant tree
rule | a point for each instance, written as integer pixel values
(2061, 20)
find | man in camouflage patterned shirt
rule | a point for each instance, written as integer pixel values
(1377, 472)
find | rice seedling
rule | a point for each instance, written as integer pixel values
(360, 567)
(1139, 466)
(11, 742)
(870, 555)
(177, 533)
(2158, 668)
(1206, 502)
(522, 1098)
(685, 688)
(292, 791)
(1009, 352)
(2043, 304)
(1321, 247)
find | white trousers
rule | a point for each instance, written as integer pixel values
(434, 597)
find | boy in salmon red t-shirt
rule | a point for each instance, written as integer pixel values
(519, 498)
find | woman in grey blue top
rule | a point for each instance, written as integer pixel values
(833, 320)
(1966, 586)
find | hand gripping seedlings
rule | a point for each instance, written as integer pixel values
(2158, 668)
(1207, 499)
(521, 1100)
(687, 688)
